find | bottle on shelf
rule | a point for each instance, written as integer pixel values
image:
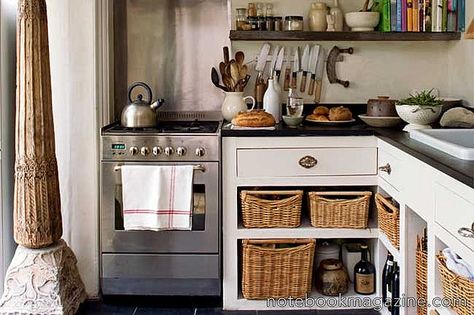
(364, 274)
(395, 310)
(387, 281)
(336, 12)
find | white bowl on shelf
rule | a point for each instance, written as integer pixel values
(419, 117)
(362, 21)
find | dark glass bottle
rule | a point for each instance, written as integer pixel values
(395, 289)
(387, 281)
(364, 274)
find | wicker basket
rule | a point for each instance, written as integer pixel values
(351, 213)
(277, 272)
(260, 209)
(389, 219)
(421, 279)
(456, 287)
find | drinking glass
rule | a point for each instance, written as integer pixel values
(294, 108)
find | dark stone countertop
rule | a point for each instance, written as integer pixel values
(461, 170)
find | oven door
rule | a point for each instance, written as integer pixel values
(203, 238)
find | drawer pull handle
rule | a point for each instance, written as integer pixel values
(308, 162)
(467, 232)
(387, 169)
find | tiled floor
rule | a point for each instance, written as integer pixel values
(186, 306)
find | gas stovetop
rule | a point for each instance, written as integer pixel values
(176, 137)
(168, 127)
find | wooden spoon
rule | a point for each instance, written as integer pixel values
(365, 8)
(239, 57)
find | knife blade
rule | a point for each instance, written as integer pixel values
(276, 50)
(313, 63)
(279, 63)
(305, 67)
(262, 59)
(296, 68)
(319, 75)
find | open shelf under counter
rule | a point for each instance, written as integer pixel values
(306, 230)
(388, 245)
(341, 36)
(315, 300)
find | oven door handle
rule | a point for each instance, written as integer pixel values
(200, 168)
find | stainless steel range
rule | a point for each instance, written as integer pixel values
(165, 262)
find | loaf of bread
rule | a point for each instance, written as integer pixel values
(321, 110)
(254, 118)
(340, 113)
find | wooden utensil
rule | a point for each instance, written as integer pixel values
(239, 57)
(365, 8)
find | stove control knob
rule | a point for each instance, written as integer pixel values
(157, 150)
(181, 151)
(133, 150)
(200, 152)
(169, 151)
(145, 151)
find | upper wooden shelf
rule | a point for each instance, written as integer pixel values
(342, 36)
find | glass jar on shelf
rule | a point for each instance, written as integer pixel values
(252, 10)
(241, 20)
(293, 23)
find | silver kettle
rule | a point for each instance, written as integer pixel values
(139, 113)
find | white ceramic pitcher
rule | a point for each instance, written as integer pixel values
(234, 103)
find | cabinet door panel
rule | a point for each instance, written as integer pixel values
(306, 162)
(453, 212)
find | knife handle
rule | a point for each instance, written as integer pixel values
(277, 75)
(294, 80)
(311, 85)
(286, 84)
(303, 82)
(317, 93)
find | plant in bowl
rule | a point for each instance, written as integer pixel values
(420, 110)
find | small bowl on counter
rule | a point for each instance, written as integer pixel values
(293, 121)
(381, 122)
(362, 21)
(419, 117)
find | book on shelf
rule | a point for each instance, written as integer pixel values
(421, 15)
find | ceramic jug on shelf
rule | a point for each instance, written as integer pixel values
(234, 103)
(338, 15)
(317, 17)
(272, 100)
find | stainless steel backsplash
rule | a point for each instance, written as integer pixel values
(170, 45)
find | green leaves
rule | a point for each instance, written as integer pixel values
(423, 98)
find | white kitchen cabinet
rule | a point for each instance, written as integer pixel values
(427, 198)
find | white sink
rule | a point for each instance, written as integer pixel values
(456, 142)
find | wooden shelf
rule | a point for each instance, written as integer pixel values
(342, 36)
(308, 231)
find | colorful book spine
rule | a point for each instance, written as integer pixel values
(461, 21)
(393, 15)
(399, 16)
(421, 16)
(428, 16)
(416, 16)
(404, 16)
(409, 15)
(438, 15)
(444, 21)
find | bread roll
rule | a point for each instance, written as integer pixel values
(321, 110)
(340, 113)
(318, 117)
(254, 118)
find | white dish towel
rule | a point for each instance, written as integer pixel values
(457, 264)
(157, 198)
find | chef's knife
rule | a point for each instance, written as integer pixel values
(287, 78)
(276, 50)
(262, 60)
(319, 75)
(305, 67)
(260, 85)
(279, 63)
(296, 68)
(313, 63)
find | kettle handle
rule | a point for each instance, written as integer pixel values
(143, 85)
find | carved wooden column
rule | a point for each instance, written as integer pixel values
(37, 217)
(42, 277)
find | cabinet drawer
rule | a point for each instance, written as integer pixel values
(452, 212)
(283, 162)
(389, 169)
